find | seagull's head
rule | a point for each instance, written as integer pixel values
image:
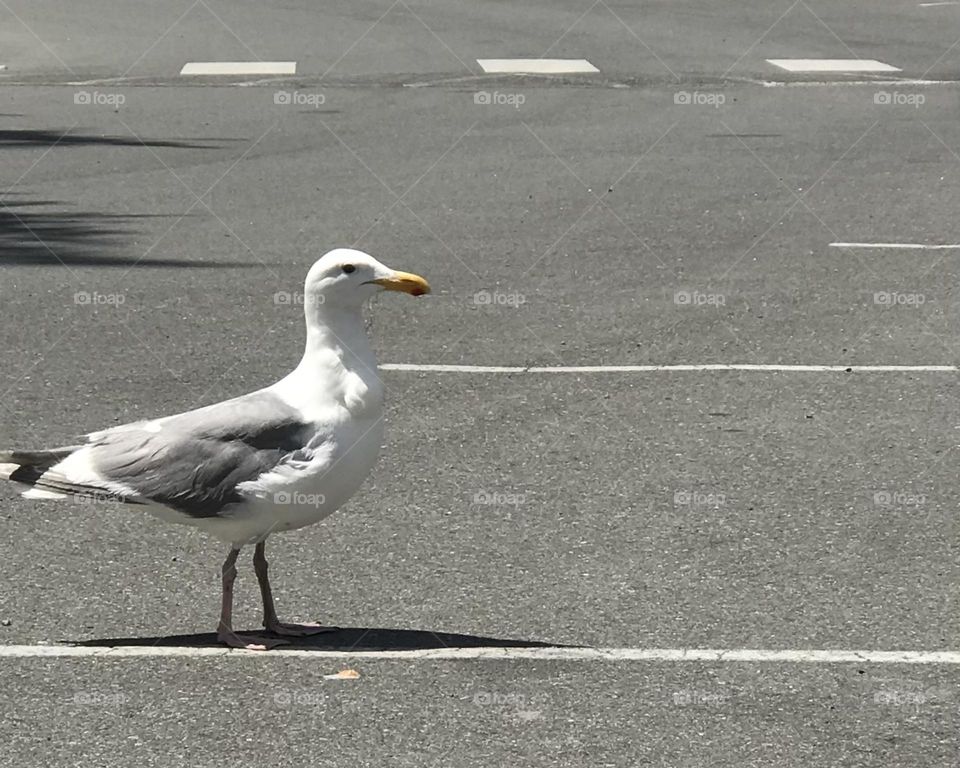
(345, 277)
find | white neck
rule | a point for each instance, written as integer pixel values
(337, 335)
(337, 351)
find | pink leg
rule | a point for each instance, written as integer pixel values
(270, 620)
(225, 633)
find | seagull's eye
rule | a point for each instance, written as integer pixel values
(348, 268)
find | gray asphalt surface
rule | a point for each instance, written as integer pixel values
(151, 251)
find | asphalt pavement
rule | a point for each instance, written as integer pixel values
(679, 206)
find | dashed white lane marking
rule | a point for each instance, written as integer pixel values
(724, 655)
(905, 246)
(934, 5)
(833, 65)
(239, 68)
(428, 368)
(536, 66)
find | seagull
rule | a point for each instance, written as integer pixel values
(277, 459)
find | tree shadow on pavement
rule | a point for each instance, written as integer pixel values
(57, 234)
(39, 137)
(46, 232)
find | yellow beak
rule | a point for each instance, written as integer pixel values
(405, 282)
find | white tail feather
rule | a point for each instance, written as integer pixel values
(40, 493)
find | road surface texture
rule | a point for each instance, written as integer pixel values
(676, 207)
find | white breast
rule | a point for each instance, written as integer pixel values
(336, 389)
(347, 416)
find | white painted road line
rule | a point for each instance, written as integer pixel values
(832, 65)
(934, 5)
(428, 368)
(900, 81)
(239, 68)
(536, 66)
(720, 655)
(432, 368)
(906, 246)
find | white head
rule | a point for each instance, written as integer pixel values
(346, 278)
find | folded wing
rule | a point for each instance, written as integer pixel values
(192, 462)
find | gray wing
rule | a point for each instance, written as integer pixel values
(193, 462)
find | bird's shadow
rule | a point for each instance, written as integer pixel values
(355, 639)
